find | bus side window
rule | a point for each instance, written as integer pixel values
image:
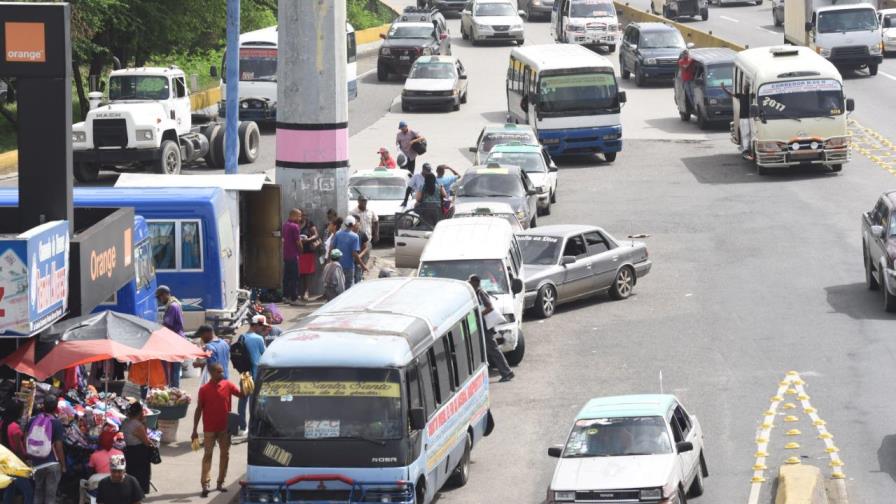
(476, 339)
(460, 340)
(443, 370)
(454, 339)
(415, 399)
(427, 383)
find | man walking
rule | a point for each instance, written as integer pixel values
(494, 354)
(219, 351)
(348, 242)
(405, 139)
(119, 487)
(213, 407)
(43, 443)
(174, 320)
(368, 221)
(364, 253)
(291, 236)
(253, 341)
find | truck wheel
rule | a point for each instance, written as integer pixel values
(382, 73)
(169, 162)
(86, 172)
(250, 138)
(210, 160)
(704, 13)
(872, 69)
(515, 356)
(218, 147)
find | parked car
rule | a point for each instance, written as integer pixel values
(536, 8)
(435, 81)
(384, 190)
(713, 68)
(569, 262)
(488, 209)
(778, 12)
(650, 51)
(496, 20)
(632, 448)
(498, 134)
(879, 248)
(887, 19)
(417, 32)
(501, 183)
(538, 165)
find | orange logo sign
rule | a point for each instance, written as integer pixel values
(25, 43)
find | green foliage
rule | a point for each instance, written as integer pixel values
(364, 14)
(194, 63)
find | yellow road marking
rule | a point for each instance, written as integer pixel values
(877, 148)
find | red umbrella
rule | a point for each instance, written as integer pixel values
(98, 337)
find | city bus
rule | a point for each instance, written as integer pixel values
(258, 74)
(378, 396)
(569, 95)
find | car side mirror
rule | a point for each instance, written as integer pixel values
(472, 149)
(850, 105)
(622, 97)
(684, 447)
(877, 231)
(418, 418)
(553, 168)
(462, 76)
(516, 286)
(808, 26)
(213, 71)
(522, 14)
(555, 451)
(690, 45)
(383, 36)
(565, 260)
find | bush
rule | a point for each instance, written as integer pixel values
(363, 14)
(197, 63)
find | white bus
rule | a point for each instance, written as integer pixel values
(258, 74)
(569, 95)
(379, 396)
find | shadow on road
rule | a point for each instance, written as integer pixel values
(886, 456)
(495, 116)
(857, 302)
(731, 169)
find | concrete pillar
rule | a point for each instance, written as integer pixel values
(312, 108)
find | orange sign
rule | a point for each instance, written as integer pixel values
(25, 43)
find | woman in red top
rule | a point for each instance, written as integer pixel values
(12, 437)
(386, 160)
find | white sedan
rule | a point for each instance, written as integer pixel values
(384, 189)
(435, 81)
(634, 448)
(496, 20)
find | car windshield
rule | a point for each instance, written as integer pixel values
(491, 272)
(530, 162)
(433, 71)
(490, 140)
(580, 93)
(719, 75)
(318, 403)
(847, 20)
(377, 188)
(403, 31)
(616, 437)
(494, 9)
(591, 8)
(486, 185)
(138, 87)
(800, 98)
(539, 250)
(661, 39)
(258, 64)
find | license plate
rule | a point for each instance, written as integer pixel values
(404, 57)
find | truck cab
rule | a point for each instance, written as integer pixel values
(592, 23)
(846, 32)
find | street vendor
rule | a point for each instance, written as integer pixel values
(174, 320)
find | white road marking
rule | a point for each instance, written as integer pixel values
(885, 74)
(365, 74)
(726, 18)
(767, 30)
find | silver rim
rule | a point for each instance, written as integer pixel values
(547, 301)
(624, 282)
(253, 142)
(171, 162)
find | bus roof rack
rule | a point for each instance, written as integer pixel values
(784, 51)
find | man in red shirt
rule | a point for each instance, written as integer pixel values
(213, 408)
(686, 69)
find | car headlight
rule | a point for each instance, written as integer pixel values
(79, 136)
(822, 51)
(520, 214)
(564, 495)
(769, 146)
(385, 51)
(836, 142)
(712, 101)
(650, 61)
(651, 494)
(516, 27)
(611, 136)
(874, 48)
(483, 27)
(144, 134)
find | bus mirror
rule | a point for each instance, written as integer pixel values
(516, 286)
(555, 451)
(622, 97)
(213, 71)
(418, 419)
(383, 36)
(850, 105)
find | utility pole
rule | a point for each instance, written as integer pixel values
(231, 122)
(312, 108)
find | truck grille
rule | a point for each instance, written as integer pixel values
(849, 52)
(611, 495)
(110, 133)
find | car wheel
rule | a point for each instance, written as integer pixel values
(684, 116)
(682, 496)
(463, 99)
(86, 172)
(704, 14)
(870, 281)
(889, 299)
(169, 162)
(463, 33)
(639, 77)
(702, 123)
(546, 301)
(697, 489)
(547, 209)
(610, 156)
(704, 468)
(461, 474)
(625, 73)
(777, 20)
(553, 196)
(382, 73)
(623, 283)
(872, 69)
(515, 356)
(456, 106)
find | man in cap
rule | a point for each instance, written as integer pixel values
(253, 340)
(174, 320)
(405, 139)
(349, 243)
(119, 487)
(333, 276)
(367, 219)
(415, 183)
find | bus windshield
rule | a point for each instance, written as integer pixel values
(847, 20)
(582, 93)
(258, 64)
(491, 272)
(800, 98)
(319, 403)
(591, 8)
(138, 87)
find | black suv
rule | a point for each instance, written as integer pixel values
(650, 51)
(417, 32)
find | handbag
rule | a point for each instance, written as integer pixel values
(493, 319)
(419, 147)
(154, 456)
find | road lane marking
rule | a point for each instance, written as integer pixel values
(874, 146)
(885, 74)
(773, 32)
(726, 18)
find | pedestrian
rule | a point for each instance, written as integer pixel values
(405, 139)
(310, 242)
(100, 463)
(290, 234)
(119, 487)
(386, 160)
(494, 354)
(137, 446)
(12, 437)
(43, 444)
(446, 181)
(745, 126)
(415, 183)
(253, 340)
(333, 227)
(367, 219)
(213, 407)
(364, 253)
(219, 351)
(429, 199)
(687, 68)
(333, 276)
(172, 319)
(348, 242)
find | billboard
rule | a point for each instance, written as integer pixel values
(33, 279)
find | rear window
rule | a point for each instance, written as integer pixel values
(490, 140)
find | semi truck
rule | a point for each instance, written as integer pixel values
(846, 32)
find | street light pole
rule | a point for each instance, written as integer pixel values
(231, 122)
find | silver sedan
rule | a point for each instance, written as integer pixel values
(569, 262)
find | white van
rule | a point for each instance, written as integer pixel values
(486, 247)
(592, 23)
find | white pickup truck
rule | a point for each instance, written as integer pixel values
(147, 126)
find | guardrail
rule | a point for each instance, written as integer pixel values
(699, 38)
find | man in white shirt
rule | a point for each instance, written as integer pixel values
(367, 218)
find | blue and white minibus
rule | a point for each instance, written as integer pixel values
(569, 95)
(379, 396)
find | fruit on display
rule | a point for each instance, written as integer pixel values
(167, 397)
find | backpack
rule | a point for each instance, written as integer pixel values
(39, 440)
(239, 356)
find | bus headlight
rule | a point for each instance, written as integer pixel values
(79, 136)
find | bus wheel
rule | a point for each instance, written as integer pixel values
(462, 472)
(420, 492)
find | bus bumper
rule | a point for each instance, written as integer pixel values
(326, 489)
(582, 141)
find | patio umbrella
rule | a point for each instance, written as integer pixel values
(98, 337)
